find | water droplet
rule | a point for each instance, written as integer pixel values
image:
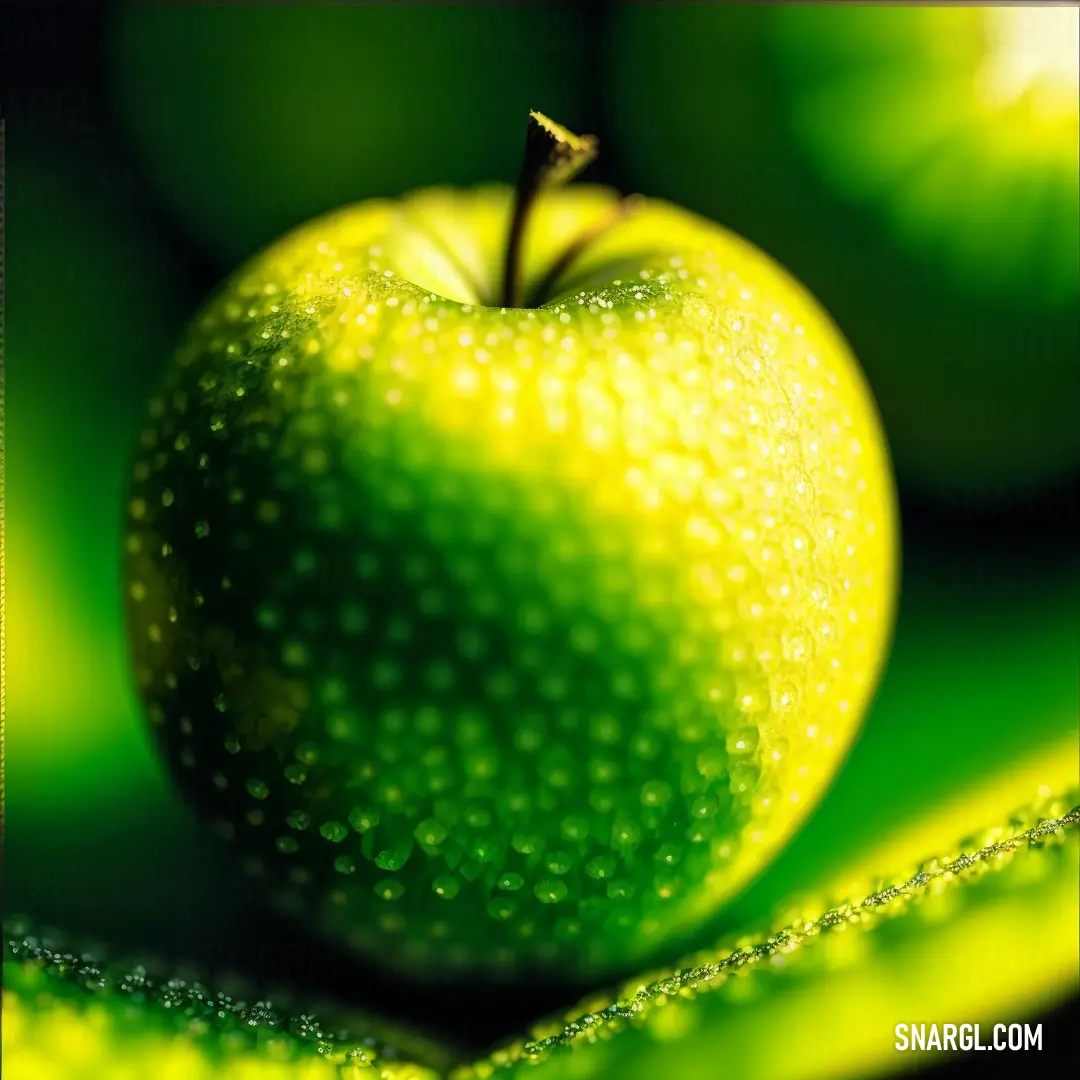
(256, 788)
(601, 867)
(307, 752)
(712, 762)
(669, 854)
(501, 908)
(645, 745)
(602, 800)
(295, 654)
(744, 741)
(550, 890)
(342, 726)
(574, 827)
(446, 885)
(333, 831)
(362, 818)
(389, 889)
(354, 618)
(625, 833)
(477, 817)
(268, 616)
(529, 733)
(295, 773)
(428, 720)
(391, 859)
(525, 843)
(655, 793)
(304, 562)
(744, 776)
(558, 862)
(430, 832)
(568, 930)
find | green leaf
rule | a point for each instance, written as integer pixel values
(986, 933)
(71, 1016)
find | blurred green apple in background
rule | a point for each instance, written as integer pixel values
(502, 636)
(251, 119)
(93, 298)
(961, 124)
(918, 169)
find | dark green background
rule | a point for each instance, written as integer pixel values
(132, 187)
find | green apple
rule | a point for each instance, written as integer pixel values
(917, 168)
(961, 124)
(250, 119)
(83, 1016)
(509, 608)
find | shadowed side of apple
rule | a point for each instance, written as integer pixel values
(498, 636)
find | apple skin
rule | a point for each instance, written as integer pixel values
(250, 119)
(975, 380)
(508, 638)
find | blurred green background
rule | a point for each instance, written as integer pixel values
(916, 168)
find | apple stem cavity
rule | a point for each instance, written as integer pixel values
(624, 208)
(553, 155)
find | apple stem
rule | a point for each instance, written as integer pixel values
(553, 155)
